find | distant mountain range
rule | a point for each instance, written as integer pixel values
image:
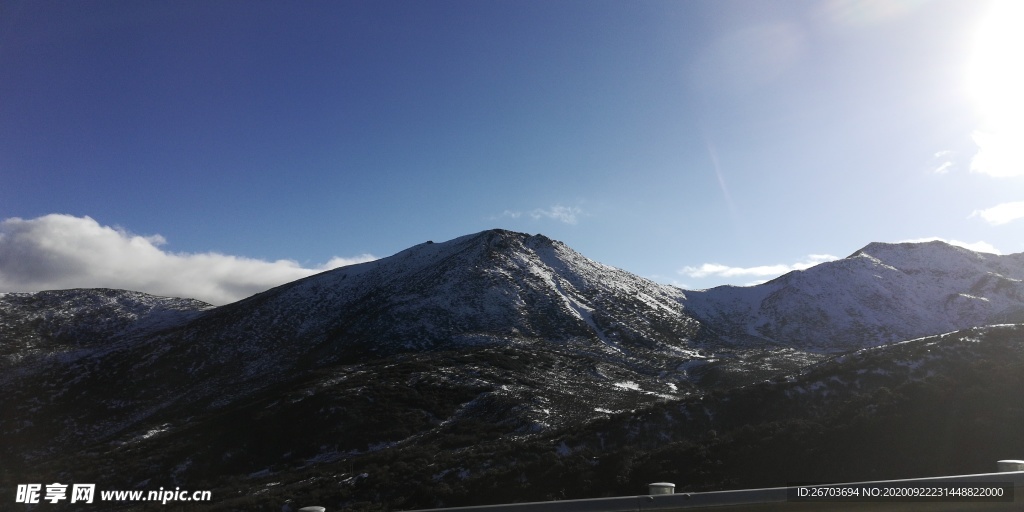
(503, 347)
(880, 294)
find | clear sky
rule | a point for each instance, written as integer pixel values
(697, 143)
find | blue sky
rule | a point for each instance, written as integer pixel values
(693, 142)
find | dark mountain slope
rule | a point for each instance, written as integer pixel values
(495, 288)
(514, 331)
(942, 405)
(494, 361)
(67, 324)
(935, 406)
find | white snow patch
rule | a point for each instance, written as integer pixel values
(356, 478)
(154, 431)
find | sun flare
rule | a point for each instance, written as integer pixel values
(996, 85)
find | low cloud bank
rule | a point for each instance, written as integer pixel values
(1001, 213)
(560, 213)
(63, 251)
(719, 270)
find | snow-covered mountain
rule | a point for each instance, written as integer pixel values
(518, 329)
(481, 288)
(477, 343)
(880, 294)
(68, 324)
(491, 289)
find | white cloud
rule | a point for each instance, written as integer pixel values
(946, 164)
(999, 153)
(719, 270)
(566, 214)
(944, 168)
(62, 251)
(1001, 213)
(338, 261)
(976, 246)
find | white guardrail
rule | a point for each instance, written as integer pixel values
(1003, 490)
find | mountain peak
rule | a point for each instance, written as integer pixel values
(876, 249)
(914, 256)
(881, 293)
(496, 238)
(480, 288)
(498, 235)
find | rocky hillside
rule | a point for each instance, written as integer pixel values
(880, 294)
(494, 360)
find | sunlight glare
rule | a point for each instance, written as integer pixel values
(996, 85)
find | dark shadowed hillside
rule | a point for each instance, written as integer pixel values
(502, 366)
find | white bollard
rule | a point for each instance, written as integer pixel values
(1008, 466)
(661, 488)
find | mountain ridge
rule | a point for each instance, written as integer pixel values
(879, 294)
(480, 345)
(495, 284)
(493, 281)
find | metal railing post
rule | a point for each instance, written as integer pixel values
(661, 488)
